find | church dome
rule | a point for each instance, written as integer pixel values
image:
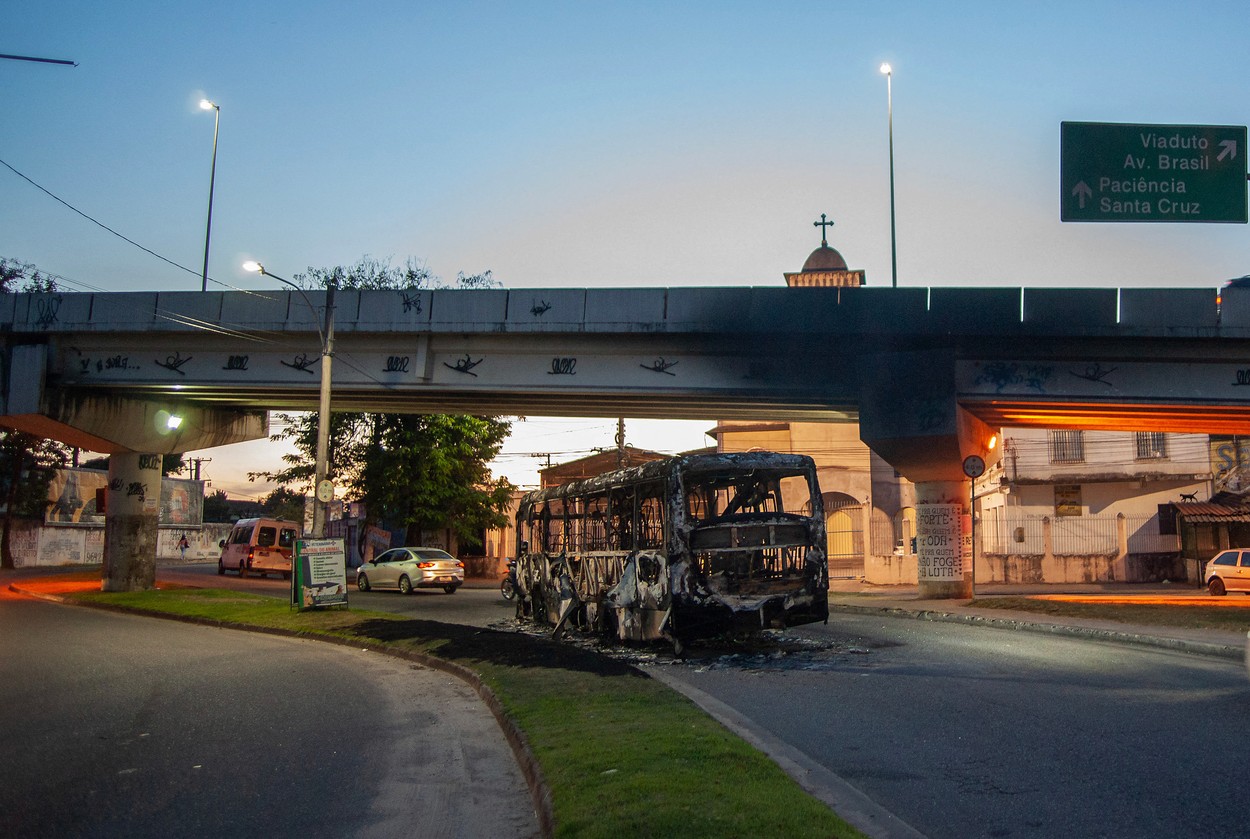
(824, 258)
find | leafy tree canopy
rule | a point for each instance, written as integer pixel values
(282, 503)
(423, 472)
(217, 507)
(371, 273)
(14, 272)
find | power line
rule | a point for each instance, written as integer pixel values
(221, 328)
(102, 225)
(61, 278)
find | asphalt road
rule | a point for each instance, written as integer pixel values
(477, 603)
(118, 725)
(970, 731)
(965, 731)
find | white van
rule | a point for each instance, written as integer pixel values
(259, 546)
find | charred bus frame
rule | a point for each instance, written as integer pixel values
(677, 549)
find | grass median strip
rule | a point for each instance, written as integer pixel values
(622, 754)
(1196, 616)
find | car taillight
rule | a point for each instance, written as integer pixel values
(459, 564)
(251, 554)
(425, 564)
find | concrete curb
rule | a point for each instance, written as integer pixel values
(540, 792)
(1145, 639)
(846, 800)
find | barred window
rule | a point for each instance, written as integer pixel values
(1151, 445)
(1067, 447)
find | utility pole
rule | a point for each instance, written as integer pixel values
(197, 461)
(622, 459)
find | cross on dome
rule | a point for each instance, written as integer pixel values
(825, 266)
(822, 224)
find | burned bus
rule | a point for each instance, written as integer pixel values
(677, 549)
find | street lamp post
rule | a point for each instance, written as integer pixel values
(323, 489)
(212, 178)
(889, 104)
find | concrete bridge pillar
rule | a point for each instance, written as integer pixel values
(131, 511)
(910, 416)
(944, 539)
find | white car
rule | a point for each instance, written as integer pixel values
(408, 568)
(1228, 571)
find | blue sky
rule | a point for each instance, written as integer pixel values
(599, 144)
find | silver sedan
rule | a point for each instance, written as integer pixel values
(408, 568)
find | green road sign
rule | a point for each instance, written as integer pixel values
(1169, 173)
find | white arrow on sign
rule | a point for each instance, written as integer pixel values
(1082, 192)
(1229, 150)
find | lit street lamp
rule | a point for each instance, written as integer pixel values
(323, 489)
(889, 103)
(212, 177)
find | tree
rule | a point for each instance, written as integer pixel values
(282, 503)
(27, 466)
(12, 272)
(348, 430)
(429, 471)
(417, 471)
(371, 274)
(217, 507)
(27, 463)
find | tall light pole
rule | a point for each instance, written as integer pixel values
(212, 178)
(889, 104)
(323, 489)
(40, 60)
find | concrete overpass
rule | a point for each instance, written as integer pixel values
(927, 372)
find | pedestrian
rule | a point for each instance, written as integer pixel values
(183, 544)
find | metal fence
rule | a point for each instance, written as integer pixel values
(1144, 536)
(886, 537)
(846, 541)
(1075, 536)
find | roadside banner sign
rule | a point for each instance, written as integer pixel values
(1152, 173)
(320, 577)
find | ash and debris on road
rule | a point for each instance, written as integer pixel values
(769, 650)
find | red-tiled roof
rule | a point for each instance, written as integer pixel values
(1204, 512)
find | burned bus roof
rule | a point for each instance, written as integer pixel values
(689, 464)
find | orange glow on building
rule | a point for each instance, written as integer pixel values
(1148, 600)
(1109, 416)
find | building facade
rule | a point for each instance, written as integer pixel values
(1067, 505)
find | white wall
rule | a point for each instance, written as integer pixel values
(41, 545)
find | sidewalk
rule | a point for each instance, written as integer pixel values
(905, 601)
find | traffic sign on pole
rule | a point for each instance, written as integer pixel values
(1154, 173)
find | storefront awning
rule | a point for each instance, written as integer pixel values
(1208, 513)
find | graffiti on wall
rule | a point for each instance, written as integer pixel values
(182, 502)
(73, 494)
(1230, 463)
